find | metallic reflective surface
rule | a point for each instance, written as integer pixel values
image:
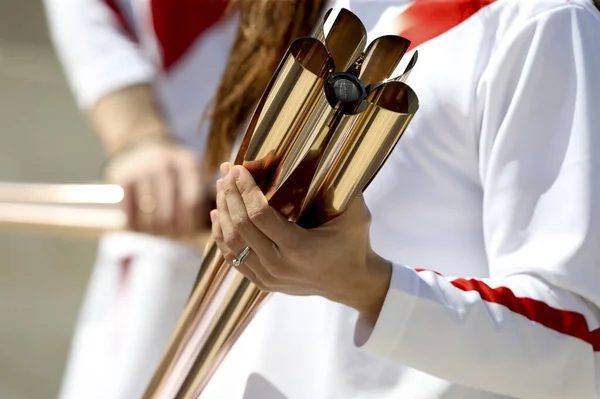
(283, 113)
(345, 39)
(409, 68)
(311, 150)
(358, 148)
(75, 220)
(72, 209)
(280, 123)
(77, 210)
(93, 194)
(382, 57)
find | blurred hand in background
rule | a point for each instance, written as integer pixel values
(162, 178)
(163, 188)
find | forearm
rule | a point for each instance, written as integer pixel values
(125, 117)
(97, 56)
(366, 290)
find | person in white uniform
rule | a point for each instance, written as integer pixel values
(152, 77)
(471, 266)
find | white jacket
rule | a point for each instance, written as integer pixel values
(182, 53)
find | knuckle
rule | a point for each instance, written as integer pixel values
(230, 238)
(161, 157)
(229, 189)
(188, 161)
(240, 222)
(117, 174)
(258, 212)
(218, 234)
(156, 156)
(161, 169)
(245, 189)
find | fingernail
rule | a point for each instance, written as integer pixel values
(225, 169)
(213, 215)
(219, 185)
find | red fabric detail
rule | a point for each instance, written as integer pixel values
(123, 23)
(424, 20)
(425, 270)
(441, 16)
(178, 23)
(124, 273)
(563, 321)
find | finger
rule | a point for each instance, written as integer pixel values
(266, 219)
(225, 168)
(146, 205)
(130, 205)
(216, 230)
(233, 245)
(189, 205)
(165, 191)
(249, 265)
(264, 248)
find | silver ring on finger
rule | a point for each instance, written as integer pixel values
(241, 257)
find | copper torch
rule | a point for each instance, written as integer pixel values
(325, 125)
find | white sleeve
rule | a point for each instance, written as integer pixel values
(531, 330)
(97, 55)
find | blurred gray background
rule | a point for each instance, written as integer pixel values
(42, 138)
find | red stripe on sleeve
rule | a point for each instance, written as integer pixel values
(563, 321)
(123, 23)
(424, 20)
(425, 270)
(178, 23)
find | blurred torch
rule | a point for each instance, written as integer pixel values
(75, 209)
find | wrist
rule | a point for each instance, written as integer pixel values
(133, 145)
(128, 116)
(368, 287)
(137, 137)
